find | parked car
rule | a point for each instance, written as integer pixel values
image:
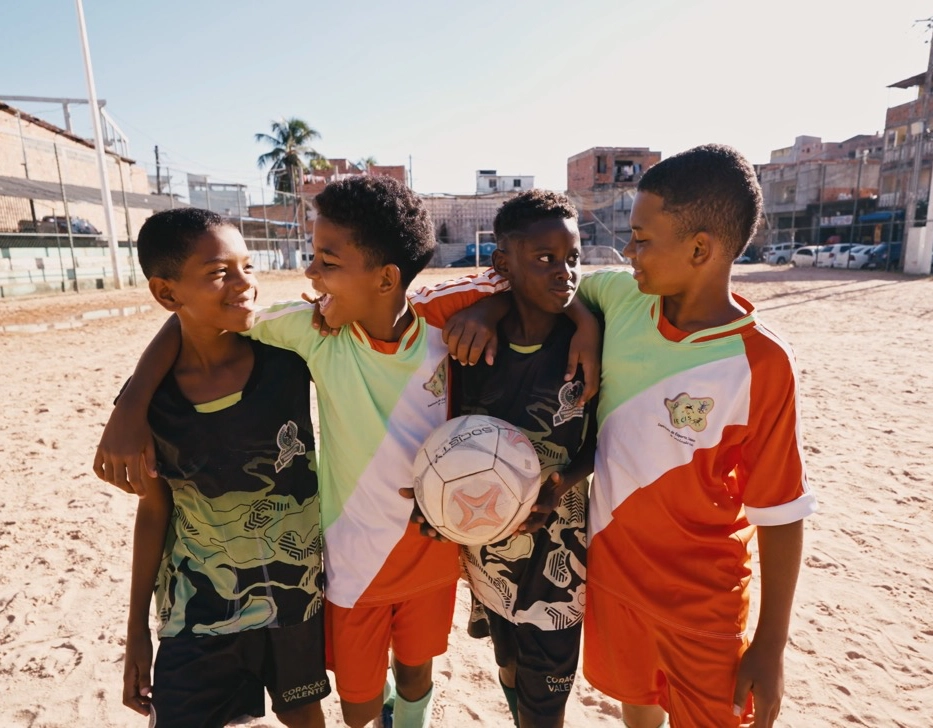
(778, 253)
(856, 257)
(880, 255)
(804, 257)
(55, 224)
(827, 254)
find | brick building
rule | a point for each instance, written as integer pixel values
(601, 182)
(317, 179)
(31, 186)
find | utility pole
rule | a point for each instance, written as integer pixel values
(106, 199)
(158, 172)
(911, 205)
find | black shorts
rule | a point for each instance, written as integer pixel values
(545, 662)
(208, 681)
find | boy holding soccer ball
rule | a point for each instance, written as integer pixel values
(532, 583)
(381, 379)
(699, 451)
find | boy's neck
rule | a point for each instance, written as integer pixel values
(391, 320)
(528, 325)
(212, 364)
(702, 307)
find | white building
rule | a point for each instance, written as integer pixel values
(487, 180)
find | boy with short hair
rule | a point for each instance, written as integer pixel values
(699, 444)
(229, 533)
(382, 388)
(532, 583)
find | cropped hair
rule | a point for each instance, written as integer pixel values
(518, 214)
(167, 238)
(389, 222)
(712, 189)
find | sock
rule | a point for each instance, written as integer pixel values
(388, 690)
(413, 715)
(511, 697)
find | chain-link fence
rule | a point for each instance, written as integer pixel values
(54, 234)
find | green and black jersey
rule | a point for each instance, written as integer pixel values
(534, 579)
(243, 549)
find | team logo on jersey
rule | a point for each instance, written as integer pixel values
(569, 403)
(687, 411)
(289, 445)
(437, 384)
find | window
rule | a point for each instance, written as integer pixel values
(516, 183)
(600, 165)
(492, 184)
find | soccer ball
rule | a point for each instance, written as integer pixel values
(476, 478)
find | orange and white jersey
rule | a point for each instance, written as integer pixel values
(699, 442)
(377, 402)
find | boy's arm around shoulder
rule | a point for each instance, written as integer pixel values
(126, 450)
(153, 515)
(291, 325)
(761, 670)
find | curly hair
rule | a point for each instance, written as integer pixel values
(389, 222)
(167, 238)
(712, 189)
(527, 208)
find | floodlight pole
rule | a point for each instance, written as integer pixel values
(106, 199)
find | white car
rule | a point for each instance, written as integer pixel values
(827, 254)
(804, 257)
(777, 253)
(855, 257)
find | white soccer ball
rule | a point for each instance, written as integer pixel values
(476, 478)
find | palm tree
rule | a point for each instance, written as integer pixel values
(291, 155)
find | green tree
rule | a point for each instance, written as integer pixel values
(366, 163)
(291, 155)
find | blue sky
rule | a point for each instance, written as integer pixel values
(514, 86)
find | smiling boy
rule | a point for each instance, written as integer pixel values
(229, 533)
(699, 448)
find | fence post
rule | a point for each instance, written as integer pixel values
(71, 240)
(129, 227)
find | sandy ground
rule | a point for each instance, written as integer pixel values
(861, 650)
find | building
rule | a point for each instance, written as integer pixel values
(488, 181)
(317, 179)
(907, 140)
(224, 198)
(462, 220)
(601, 182)
(43, 166)
(815, 191)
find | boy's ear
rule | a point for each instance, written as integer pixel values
(390, 278)
(702, 248)
(163, 291)
(500, 262)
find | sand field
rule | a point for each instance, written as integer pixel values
(861, 647)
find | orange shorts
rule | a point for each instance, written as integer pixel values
(636, 659)
(357, 639)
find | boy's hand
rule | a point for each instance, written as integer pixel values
(137, 682)
(427, 530)
(469, 336)
(125, 452)
(761, 674)
(317, 320)
(544, 506)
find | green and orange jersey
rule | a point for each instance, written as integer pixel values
(699, 442)
(377, 402)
